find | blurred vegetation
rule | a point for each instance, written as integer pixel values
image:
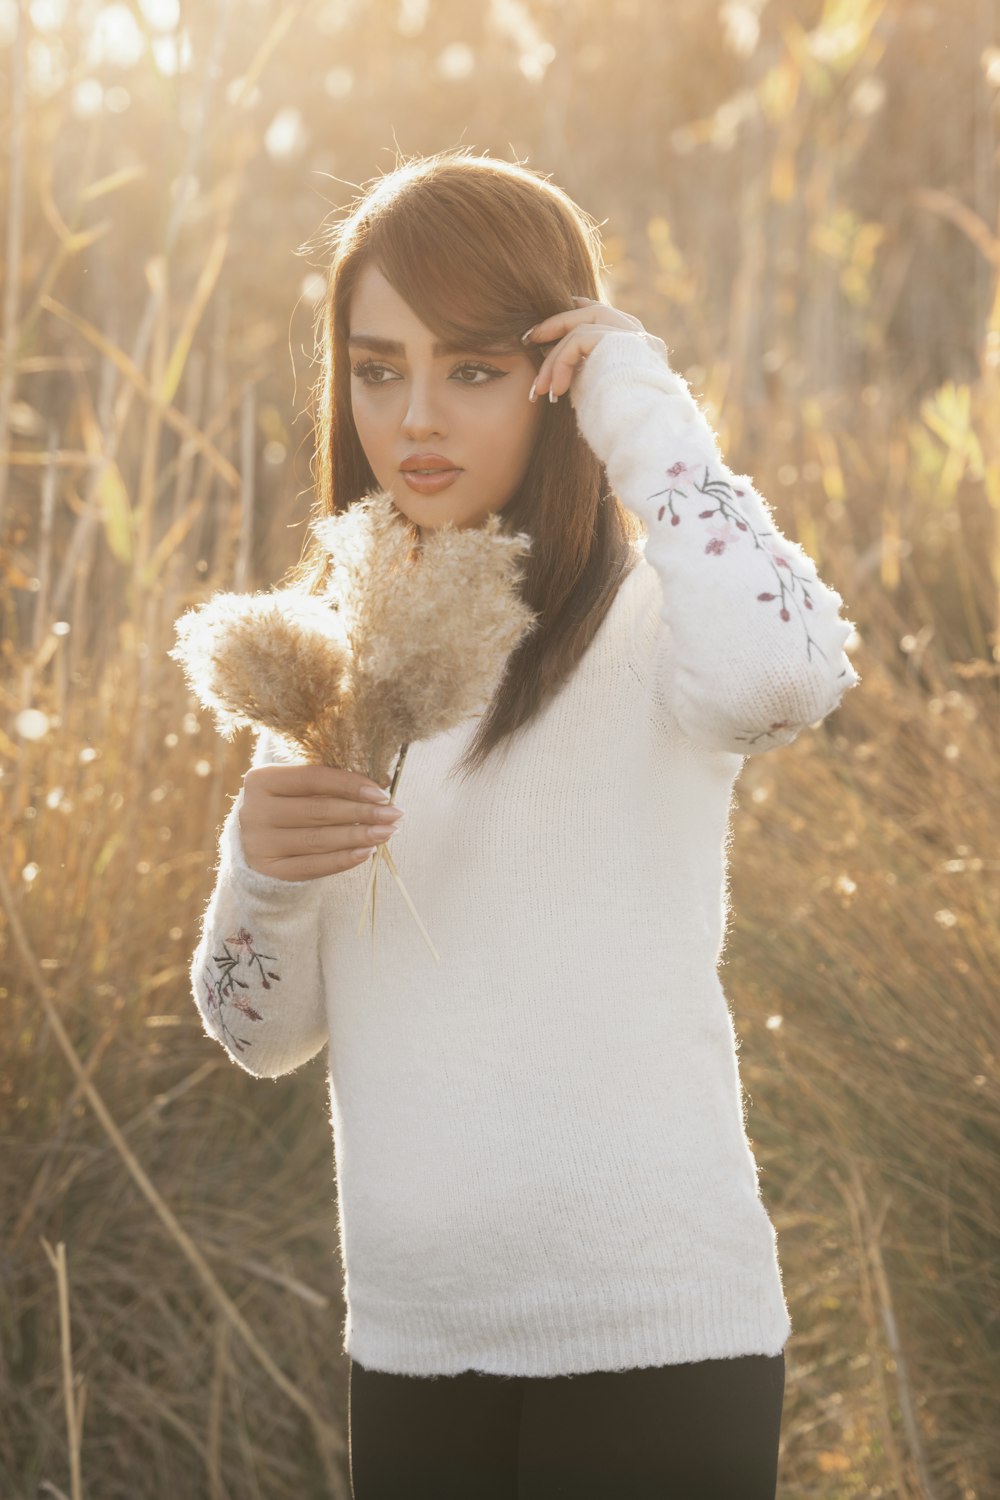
(801, 198)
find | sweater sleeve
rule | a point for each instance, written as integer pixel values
(752, 649)
(255, 973)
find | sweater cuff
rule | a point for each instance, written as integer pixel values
(624, 358)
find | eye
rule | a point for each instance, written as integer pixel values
(365, 370)
(368, 371)
(489, 370)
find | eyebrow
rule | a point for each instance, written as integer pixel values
(392, 346)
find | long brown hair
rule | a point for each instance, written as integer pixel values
(482, 249)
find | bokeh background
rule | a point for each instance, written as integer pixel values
(801, 199)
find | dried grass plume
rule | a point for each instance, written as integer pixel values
(399, 646)
(400, 643)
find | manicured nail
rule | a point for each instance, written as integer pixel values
(531, 393)
(526, 336)
(552, 395)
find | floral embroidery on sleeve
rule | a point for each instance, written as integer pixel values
(727, 523)
(240, 954)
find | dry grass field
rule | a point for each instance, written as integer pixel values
(802, 200)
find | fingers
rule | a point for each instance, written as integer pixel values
(314, 866)
(326, 839)
(587, 310)
(556, 372)
(309, 819)
(552, 328)
(306, 851)
(311, 866)
(559, 366)
(577, 330)
(329, 812)
(301, 822)
(311, 781)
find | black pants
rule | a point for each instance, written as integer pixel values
(705, 1431)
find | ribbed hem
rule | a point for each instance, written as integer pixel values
(571, 1335)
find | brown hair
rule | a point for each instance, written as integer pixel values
(482, 249)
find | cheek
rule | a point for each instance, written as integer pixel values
(368, 421)
(513, 424)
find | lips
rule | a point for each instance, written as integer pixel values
(430, 462)
(431, 483)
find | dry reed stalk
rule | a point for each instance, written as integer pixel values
(904, 1386)
(248, 486)
(137, 382)
(45, 1171)
(15, 239)
(44, 644)
(74, 1400)
(158, 393)
(220, 1368)
(865, 1238)
(78, 557)
(328, 1437)
(368, 904)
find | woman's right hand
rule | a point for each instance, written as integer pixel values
(302, 822)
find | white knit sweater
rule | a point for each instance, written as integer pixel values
(540, 1149)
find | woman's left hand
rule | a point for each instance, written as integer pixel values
(578, 331)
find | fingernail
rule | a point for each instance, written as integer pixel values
(526, 336)
(553, 396)
(374, 794)
(531, 393)
(381, 832)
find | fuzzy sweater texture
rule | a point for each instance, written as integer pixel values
(541, 1155)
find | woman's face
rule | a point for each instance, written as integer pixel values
(469, 407)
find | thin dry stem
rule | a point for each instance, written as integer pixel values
(73, 1403)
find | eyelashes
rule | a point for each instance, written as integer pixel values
(365, 371)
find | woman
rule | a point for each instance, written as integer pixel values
(560, 1277)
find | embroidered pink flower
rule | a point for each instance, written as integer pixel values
(724, 521)
(721, 533)
(223, 988)
(247, 1008)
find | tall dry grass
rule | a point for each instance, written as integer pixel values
(799, 215)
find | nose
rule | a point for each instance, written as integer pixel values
(423, 419)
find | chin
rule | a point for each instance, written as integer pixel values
(427, 522)
(431, 512)
(434, 523)
(428, 513)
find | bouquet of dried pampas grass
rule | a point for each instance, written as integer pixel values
(397, 647)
